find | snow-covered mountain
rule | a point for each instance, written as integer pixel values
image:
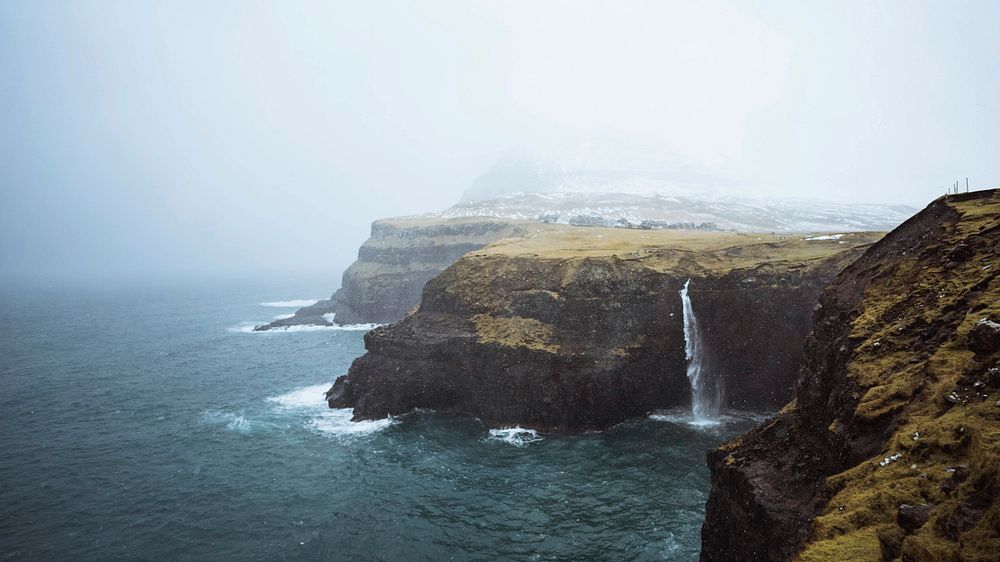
(525, 187)
(687, 211)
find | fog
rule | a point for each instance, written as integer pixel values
(238, 138)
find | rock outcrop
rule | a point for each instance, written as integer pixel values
(580, 328)
(394, 264)
(891, 449)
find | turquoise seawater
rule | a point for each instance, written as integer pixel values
(146, 424)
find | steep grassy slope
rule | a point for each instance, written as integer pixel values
(892, 447)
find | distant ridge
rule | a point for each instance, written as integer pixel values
(526, 187)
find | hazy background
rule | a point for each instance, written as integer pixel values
(142, 139)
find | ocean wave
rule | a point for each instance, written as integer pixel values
(357, 327)
(320, 328)
(232, 421)
(308, 397)
(311, 400)
(283, 316)
(516, 436)
(337, 423)
(294, 303)
(248, 328)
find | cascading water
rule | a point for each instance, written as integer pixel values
(705, 393)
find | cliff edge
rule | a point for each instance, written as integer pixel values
(394, 264)
(581, 328)
(891, 449)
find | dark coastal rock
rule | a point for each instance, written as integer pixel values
(985, 337)
(971, 510)
(578, 329)
(872, 427)
(958, 475)
(312, 315)
(394, 264)
(912, 517)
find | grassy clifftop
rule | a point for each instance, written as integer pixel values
(551, 260)
(668, 248)
(917, 372)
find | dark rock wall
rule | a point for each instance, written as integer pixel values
(886, 372)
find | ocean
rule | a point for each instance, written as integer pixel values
(148, 423)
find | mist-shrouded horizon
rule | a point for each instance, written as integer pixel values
(231, 138)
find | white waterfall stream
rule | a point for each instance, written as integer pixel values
(705, 393)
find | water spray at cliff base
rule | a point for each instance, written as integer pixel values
(706, 389)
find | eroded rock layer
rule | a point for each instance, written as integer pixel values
(891, 449)
(394, 264)
(578, 328)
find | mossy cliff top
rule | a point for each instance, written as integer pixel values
(707, 252)
(553, 260)
(892, 448)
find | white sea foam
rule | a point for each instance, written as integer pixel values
(231, 420)
(826, 237)
(283, 316)
(686, 418)
(309, 397)
(671, 547)
(358, 327)
(318, 328)
(294, 303)
(248, 328)
(337, 422)
(516, 436)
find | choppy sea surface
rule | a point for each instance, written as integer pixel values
(148, 423)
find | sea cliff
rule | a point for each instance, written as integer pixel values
(580, 328)
(394, 264)
(890, 449)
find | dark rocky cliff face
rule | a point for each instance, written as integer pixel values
(394, 264)
(575, 329)
(892, 447)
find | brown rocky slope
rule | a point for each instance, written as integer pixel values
(891, 449)
(580, 328)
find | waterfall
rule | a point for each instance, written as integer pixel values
(705, 393)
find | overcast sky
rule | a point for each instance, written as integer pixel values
(199, 137)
